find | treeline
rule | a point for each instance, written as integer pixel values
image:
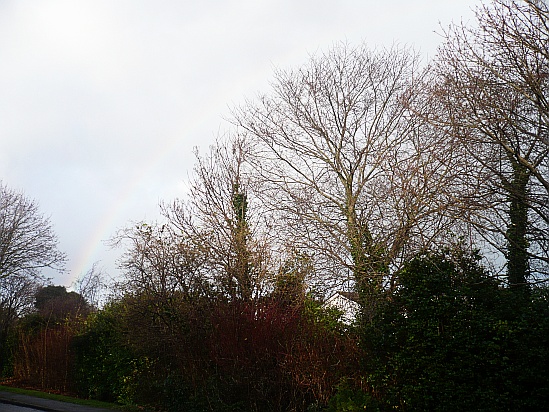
(449, 338)
(424, 190)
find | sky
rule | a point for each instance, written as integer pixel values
(103, 101)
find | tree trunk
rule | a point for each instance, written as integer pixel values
(518, 268)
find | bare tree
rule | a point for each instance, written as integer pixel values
(345, 165)
(492, 106)
(27, 241)
(159, 263)
(221, 218)
(210, 242)
(16, 299)
(92, 286)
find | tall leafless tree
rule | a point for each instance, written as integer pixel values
(492, 106)
(220, 217)
(345, 165)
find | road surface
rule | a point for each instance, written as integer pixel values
(5, 407)
(11, 402)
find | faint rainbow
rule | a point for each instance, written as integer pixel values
(105, 230)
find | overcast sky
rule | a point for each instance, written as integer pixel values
(102, 101)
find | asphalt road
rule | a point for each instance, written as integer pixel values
(11, 402)
(6, 407)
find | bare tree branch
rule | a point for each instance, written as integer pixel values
(27, 241)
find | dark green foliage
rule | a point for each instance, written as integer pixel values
(54, 303)
(240, 268)
(105, 366)
(240, 206)
(290, 284)
(451, 339)
(524, 339)
(8, 345)
(349, 399)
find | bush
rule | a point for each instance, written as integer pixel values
(349, 399)
(452, 339)
(105, 366)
